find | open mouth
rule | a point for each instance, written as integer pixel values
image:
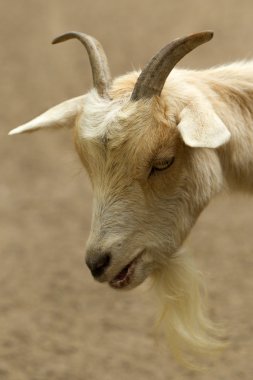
(123, 278)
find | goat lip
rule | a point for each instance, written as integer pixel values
(123, 278)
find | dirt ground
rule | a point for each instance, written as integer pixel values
(56, 322)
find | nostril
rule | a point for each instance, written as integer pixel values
(98, 266)
(104, 261)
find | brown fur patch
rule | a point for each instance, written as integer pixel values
(241, 97)
(123, 85)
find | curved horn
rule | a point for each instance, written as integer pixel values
(155, 73)
(98, 60)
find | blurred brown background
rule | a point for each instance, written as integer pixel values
(55, 322)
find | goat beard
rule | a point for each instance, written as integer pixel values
(183, 318)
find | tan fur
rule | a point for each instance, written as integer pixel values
(205, 120)
(149, 127)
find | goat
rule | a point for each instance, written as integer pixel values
(158, 145)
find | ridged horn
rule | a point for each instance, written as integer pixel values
(152, 78)
(97, 57)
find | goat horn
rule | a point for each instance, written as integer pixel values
(98, 60)
(152, 78)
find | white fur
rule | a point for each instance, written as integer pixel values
(204, 119)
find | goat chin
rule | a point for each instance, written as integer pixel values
(183, 321)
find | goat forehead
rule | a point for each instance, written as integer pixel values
(115, 119)
(100, 118)
(118, 136)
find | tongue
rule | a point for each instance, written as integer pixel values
(121, 276)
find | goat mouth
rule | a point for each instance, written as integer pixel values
(123, 278)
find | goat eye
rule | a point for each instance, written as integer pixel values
(160, 165)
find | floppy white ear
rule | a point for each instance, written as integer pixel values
(201, 127)
(62, 115)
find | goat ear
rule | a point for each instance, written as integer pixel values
(62, 115)
(201, 127)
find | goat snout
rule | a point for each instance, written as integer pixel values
(99, 264)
